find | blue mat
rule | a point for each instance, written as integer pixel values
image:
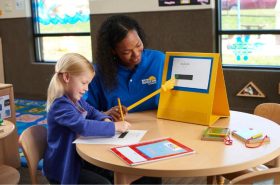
(28, 113)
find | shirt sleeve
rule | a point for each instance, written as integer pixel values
(93, 95)
(67, 115)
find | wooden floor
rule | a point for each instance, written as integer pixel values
(24, 179)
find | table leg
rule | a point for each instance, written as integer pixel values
(277, 161)
(220, 179)
(1, 152)
(211, 179)
(121, 178)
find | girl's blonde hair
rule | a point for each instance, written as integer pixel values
(71, 63)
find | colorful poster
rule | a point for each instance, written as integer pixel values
(5, 107)
(182, 2)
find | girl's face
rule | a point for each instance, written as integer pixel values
(76, 85)
(130, 49)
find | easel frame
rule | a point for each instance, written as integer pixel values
(199, 100)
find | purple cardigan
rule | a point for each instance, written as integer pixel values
(65, 122)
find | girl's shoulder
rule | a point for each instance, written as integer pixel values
(61, 102)
(61, 99)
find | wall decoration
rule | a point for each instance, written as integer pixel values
(182, 2)
(14, 9)
(251, 90)
(61, 12)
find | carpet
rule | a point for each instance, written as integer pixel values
(28, 113)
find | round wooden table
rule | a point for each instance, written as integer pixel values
(8, 174)
(211, 157)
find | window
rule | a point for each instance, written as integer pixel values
(249, 33)
(61, 26)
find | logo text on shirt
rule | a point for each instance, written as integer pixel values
(149, 81)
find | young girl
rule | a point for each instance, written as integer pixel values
(70, 116)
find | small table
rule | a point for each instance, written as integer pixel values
(211, 157)
(6, 129)
(8, 174)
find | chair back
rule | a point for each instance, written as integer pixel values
(33, 141)
(270, 176)
(270, 111)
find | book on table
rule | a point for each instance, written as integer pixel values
(250, 136)
(150, 151)
(215, 134)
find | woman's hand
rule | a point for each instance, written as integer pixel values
(122, 126)
(115, 113)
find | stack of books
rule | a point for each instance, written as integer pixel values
(250, 136)
(215, 134)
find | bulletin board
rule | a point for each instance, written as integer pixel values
(199, 95)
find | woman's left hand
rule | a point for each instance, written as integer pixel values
(115, 113)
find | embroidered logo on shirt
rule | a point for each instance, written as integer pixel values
(150, 81)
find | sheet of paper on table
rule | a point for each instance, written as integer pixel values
(133, 136)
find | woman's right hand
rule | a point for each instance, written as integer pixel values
(115, 113)
(122, 126)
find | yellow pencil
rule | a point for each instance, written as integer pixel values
(120, 107)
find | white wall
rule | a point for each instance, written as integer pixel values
(14, 9)
(126, 6)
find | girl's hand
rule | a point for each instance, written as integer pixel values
(107, 120)
(122, 126)
(115, 113)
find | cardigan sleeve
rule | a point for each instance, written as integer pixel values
(65, 113)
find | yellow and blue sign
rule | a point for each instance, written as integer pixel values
(199, 95)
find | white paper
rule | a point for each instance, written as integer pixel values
(133, 136)
(200, 68)
(131, 154)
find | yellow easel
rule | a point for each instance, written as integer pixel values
(199, 95)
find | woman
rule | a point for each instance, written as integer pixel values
(124, 68)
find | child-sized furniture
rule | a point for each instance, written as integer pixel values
(8, 174)
(9, 154)
(270, 176)
(33, 141)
